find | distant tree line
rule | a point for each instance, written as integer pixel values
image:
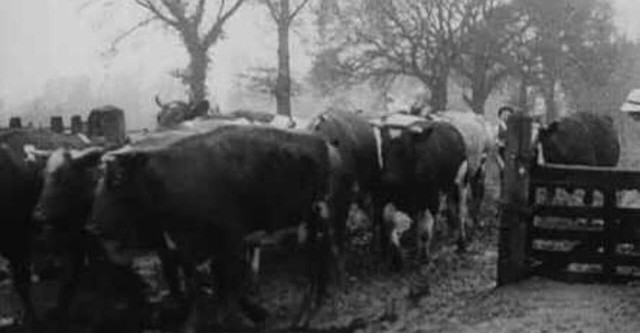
(542, 46)
(538, 47)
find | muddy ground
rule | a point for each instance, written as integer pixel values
(454, 293)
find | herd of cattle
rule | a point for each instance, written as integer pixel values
(205, 192)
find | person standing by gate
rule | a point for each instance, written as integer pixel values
(503, 114)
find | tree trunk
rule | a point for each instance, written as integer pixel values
(550, 103)
(439, 92)
(523, 98)
(283, 82)
(196, 76)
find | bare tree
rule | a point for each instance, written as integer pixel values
(484, 65)
(283, 14)
(420, 39)
(199, 25)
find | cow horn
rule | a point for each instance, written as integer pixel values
(158, 101)
(31, 150)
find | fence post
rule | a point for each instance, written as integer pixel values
(512, 247)
(76, 124)
(57, 124)
(15, 122)
(610, 233)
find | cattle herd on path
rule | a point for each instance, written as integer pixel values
(207, 191)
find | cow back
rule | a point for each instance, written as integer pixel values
(222, 183)
(581, 139)
(354, 138)
(475, 132)
(424, 160)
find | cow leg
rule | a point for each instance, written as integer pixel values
(22, 284)
(252, 257)
(321, 252)
(458, 204)
(73, 265)
(462, 221)
(424, 233)
(230, 285)
(477, 195)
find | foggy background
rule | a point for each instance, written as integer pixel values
(54, 60)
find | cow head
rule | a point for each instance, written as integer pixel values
(122, 212)
(69, 180)
(173, 113)
(398, 154)
(328, 128)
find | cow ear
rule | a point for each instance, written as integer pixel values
(119, 167)
(202, 108)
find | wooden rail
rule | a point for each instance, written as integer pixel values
(520, 252)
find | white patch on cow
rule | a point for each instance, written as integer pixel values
(84, 138)
(461, 175)
(283, 122)
(378, 136)
(255, 261)
(395, 133)
(303, 233)
(55, 161)
(323, 210)
(540, 153)
(399, 222)
(32, 153)
(424, 231)
(401, 120)
(171, 245)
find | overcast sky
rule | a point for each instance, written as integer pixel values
(41, 39)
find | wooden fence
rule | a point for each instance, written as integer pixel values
(546, 228)
(103, 125)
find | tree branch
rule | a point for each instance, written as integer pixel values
(275, 13)
(199, 13)
(128, 32)
(297, 10)
(146, 4)
(216, 29)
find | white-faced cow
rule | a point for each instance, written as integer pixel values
(20, 169)
(421, 162)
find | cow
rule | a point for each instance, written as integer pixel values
(21, 183)
(579, 139)
(421, 162)
(479, 144)
(354, 138)
(207, 192)
(63, 206)
(174, 113)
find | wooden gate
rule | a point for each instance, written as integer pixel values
(545, 226)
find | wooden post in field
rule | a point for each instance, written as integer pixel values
(76, 124)
(15, 122)
(512, 251)
(57, 124)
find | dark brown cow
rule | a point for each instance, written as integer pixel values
(21, 182)
(209, 191)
